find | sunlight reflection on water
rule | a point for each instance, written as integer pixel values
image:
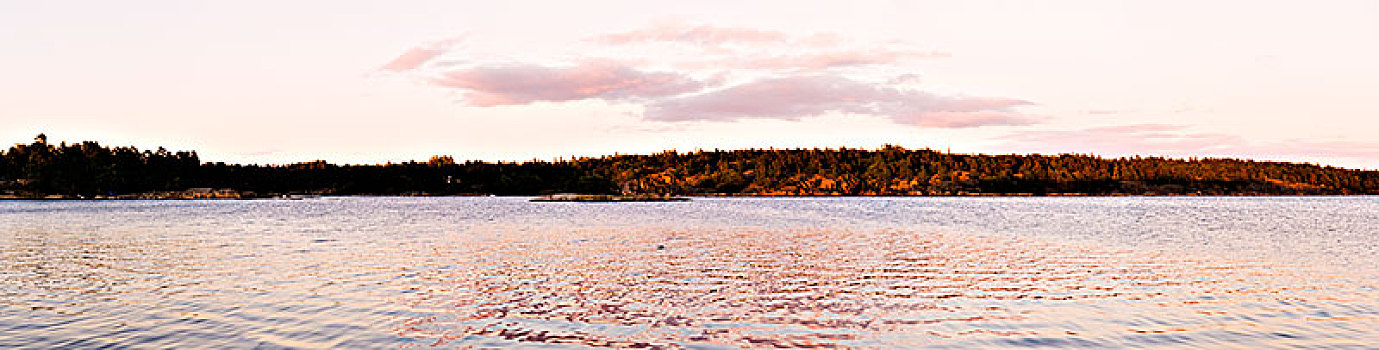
(711, 273)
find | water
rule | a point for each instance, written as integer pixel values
(711, 273)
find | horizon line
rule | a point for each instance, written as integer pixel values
(884, 147)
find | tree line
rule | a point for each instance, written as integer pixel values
(88, 169)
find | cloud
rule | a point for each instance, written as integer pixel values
(1162, 139)
(1103, 111)
(1179, 140)
(907, 78)
(838, 59)
(1138, 129)
(412, 59)
(1315, 148)
(958, 120)
(417, 56)
(527, 83)
(816, 60)
(769, 75)
(795, 97)
(706, 35)
(765, 49)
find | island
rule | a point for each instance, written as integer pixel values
(570, 197)
(89, 170)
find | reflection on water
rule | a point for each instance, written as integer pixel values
(712, 273)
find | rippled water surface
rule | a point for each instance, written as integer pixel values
(709, 273)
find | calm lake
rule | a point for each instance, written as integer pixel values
(1169, 272)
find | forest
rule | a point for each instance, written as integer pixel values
(91, 170)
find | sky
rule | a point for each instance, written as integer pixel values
(371, 82)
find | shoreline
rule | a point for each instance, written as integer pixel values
(537, 198)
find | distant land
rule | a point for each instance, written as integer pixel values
(41, 170)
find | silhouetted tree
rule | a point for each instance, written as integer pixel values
(88, 168)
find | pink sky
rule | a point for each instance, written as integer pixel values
(369, 82)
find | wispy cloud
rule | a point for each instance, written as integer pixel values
(815, 60)
(1180, 140)
(695, 35)
(795, 97)
(718, 74)
(1160, 139)
(971, 119)
(903, 79)
(417, 56)
(1316, 148)
(1103, 111)
(518, 84)
(747, 48)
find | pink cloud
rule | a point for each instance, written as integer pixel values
(823, 40)
(792, 98)
(815, 61)
(837, 59)
(699, 35)
(1158, 139)
(796, 80)
(1314, 148)
(908, 78)
(523, 84)
(1135, 128)
(412, 59)
(417, 56)
(712, 39)
(1180, 141)
(1103, 111)
(957, 120)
